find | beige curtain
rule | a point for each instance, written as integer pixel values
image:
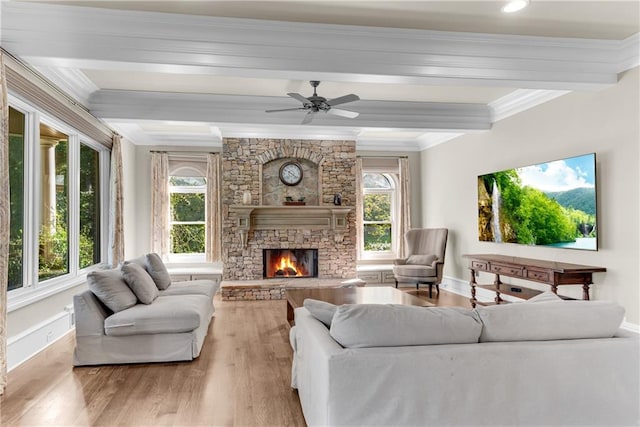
(214, 216)
(359, 208)
(4, 221)
(404, 223)
(116, 232)
(160, 204)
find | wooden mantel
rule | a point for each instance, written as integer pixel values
(261, 217)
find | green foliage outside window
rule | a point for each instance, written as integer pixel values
(377, 218)
(187, 208)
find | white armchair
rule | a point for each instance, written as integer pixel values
(424, 263)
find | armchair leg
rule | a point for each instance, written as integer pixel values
(438, 289)
(430, 290)
(396, 283)
(417, 286)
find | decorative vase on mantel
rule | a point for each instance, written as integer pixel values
(246, 197)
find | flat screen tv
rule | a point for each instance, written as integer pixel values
(548, 204)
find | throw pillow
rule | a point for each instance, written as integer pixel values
(158, 271)
(421, 259)
(546, 296)
(140, 282)
(321, 310)
(111, 289)
(393, 325)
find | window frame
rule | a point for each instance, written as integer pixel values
(184, 189)
(32, 289)
(394, 214)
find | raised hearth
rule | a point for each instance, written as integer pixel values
(274, 289)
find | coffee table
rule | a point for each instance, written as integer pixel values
(355, 295)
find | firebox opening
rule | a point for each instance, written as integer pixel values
(279, 263)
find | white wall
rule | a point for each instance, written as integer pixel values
(605, 122)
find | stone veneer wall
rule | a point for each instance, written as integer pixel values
(243, 159)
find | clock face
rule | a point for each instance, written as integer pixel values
(291, 173)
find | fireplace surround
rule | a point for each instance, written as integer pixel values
(293, 263)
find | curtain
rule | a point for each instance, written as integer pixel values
(4, 221)
(214, 217)
(160, 204)
(116, 232)
(404, 223)
(359, 208)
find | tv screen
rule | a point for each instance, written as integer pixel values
(548, 204)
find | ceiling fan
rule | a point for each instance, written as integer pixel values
(315, 103)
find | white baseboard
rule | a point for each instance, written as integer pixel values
(27, 344)
(461, 287)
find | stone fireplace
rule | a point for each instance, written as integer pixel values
(251, 165)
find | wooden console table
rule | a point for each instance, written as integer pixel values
(549, 273)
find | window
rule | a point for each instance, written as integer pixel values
(89, 206)
(380, 235)
(16, 197)
(53, 253)
(188, 214)
(56, 185)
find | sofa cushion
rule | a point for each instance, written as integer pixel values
(390, 325)
(193, 287)
(555, 320)
(166, 315)
(158, 271)
(111, 289)
(140, 282)
(414, 270)
(421, 259)
(321, 310)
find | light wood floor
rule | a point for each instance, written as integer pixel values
(241, 378)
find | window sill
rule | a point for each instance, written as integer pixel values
(32, 296)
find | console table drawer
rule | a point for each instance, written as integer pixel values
(477, 265)
(507, 269)
(541, 275)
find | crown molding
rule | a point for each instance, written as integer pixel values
(148, 41)
(629, 53)
(520, 100)
(72, 81)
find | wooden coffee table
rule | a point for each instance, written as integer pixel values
(355, 295)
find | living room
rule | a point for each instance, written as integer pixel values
(586, 103)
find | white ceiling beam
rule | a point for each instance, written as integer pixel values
(114, 104)
(113, 39)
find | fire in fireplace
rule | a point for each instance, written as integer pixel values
(279, 263)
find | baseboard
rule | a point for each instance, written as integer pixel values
(27, 344)
(461, 287)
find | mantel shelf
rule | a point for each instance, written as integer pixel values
(261, 217)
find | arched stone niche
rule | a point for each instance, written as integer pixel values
(275, 192)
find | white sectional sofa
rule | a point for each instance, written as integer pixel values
(140, 319)
(543, 364)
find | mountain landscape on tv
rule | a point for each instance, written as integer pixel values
(549, 204)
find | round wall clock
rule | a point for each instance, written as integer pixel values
(291, 173)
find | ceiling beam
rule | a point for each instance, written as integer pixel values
(159, 42)
(139, 105)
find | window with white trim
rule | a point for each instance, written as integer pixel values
(188, 217)
(58, 216)
(380, 236)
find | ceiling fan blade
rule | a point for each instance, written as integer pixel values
(343, 113)
(308, 117)
(299, 97)
(343, 99)
(285, 109)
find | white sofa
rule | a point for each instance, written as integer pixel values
(517, 371)
(141, 319)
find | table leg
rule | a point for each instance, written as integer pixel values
(585, 291)
(472, 283)
(289, 314)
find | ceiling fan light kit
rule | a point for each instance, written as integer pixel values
(315, 103)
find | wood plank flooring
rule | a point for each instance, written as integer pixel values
(240, 379)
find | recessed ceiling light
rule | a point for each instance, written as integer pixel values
(515, 5)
